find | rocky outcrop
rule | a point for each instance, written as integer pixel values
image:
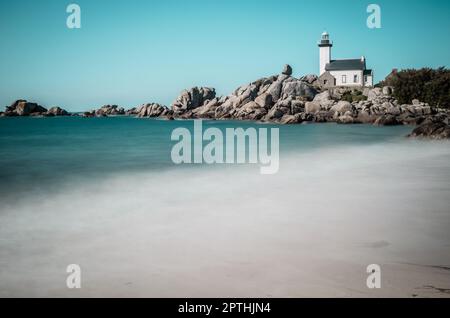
(288, 100)
(310, 79)
(434, 127)
(109, 110)
(267, 99)
(432, 130)
(152, 110)
(280, 99)
(89, 114)
(22, 107)
(56, 111)
(192, 99)
(287, 70)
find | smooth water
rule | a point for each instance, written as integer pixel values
(103, 193)
(37, 154)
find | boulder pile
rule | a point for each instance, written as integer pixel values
(22, 107)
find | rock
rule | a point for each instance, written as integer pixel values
(325, 100)
(297, 106)
(152, 110)
(57, 111)
(275, 90)
(408, 119)
(208, 109)
(310, 79)
(297, 88)
(109, 110)
(132, 111)
(324, 96)
(247, 94)
(89, 114)
(415, 102)
(264, 100)
(374, 93)
(274, 113)
(393, 110)
(23, 108)
(387, 120)
(291, 119)
(365, 117)
(312, 107)
(287, 70)
(193, 98)
(346, 119)
(439, 130)
(342, 107)
(387, 90)
(250, 111)
(13, 106)
(322, 116)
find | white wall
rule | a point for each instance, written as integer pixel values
(325, 58)
(369, 81)
(350, 78)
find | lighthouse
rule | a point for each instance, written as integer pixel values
(325, 46)
(346, 72)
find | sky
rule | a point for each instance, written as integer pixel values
(130, 52)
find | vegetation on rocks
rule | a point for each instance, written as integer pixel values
(431, 86)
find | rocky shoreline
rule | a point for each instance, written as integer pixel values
(281, 99)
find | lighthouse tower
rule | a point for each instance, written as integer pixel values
(325, 51)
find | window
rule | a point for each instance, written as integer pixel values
(355, 78)
(365, 78)
(344, 79)
(325, 82)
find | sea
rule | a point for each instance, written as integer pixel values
(105, 194)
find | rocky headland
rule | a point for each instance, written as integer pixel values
(281, 99)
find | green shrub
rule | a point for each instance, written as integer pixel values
(355, 96)
(428, 85)
(359, 97)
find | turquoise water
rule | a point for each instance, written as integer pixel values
(38, 152)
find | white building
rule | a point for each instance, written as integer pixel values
(351, 72)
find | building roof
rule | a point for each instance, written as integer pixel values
(343, 65)
(367, 72)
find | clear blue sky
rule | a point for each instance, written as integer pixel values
(136, 51)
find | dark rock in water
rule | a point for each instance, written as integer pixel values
(89, 114)
(287, 70)
(23, 108)
(387, 120)
(132, 111)
(433, 130)
(56, 111)
(110, 110)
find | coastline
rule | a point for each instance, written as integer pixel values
(279, 99)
